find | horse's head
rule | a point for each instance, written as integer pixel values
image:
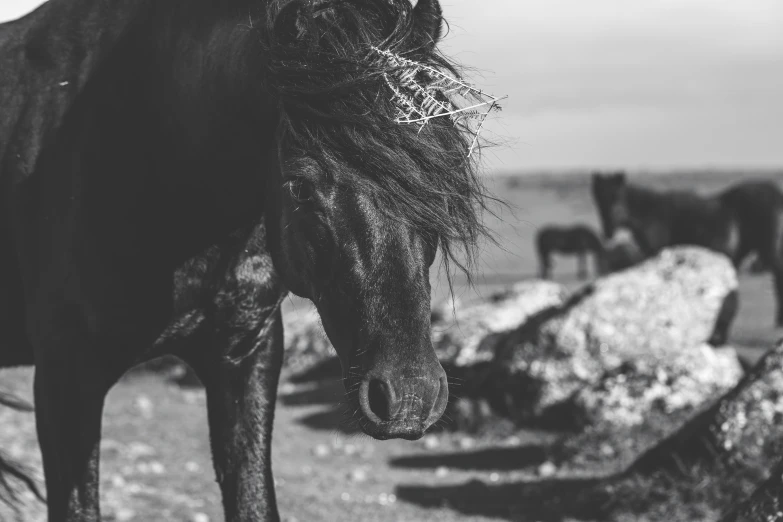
(363, 203)
(367, 273)
(609, 193)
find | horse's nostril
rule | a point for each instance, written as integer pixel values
(379, 400)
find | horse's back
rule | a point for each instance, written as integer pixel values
(568, 240)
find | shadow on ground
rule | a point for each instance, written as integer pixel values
(323, 393)
(498, 459)
(328, 369)
(544, 501)
(333, 419)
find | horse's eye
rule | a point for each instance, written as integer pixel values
(301, 190)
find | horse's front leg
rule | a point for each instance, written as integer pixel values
(241, 403)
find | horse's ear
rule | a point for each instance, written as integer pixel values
(428, 17)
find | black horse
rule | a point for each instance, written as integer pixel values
(747, 217)
(578, 240)
(169, 169)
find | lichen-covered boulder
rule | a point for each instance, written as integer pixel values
(631, 341)
(626, 395)
(464, 335)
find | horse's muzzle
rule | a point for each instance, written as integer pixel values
(402, 408)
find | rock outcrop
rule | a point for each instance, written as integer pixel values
(629, 342)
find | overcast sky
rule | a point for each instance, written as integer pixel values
(625, 83)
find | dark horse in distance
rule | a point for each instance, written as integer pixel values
(578, 240)
(170, 169)
(745, 218)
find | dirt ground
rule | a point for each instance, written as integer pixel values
(155, 454)
(156, 467)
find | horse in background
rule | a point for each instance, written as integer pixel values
(171, 169)
(621, 251)
(745, 218)
(577, 240)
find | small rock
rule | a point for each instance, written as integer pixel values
(287, 388)
(344, 496)
(200, 517)
(431, 442)
(441, 471)
(124, 514)
(192, 467)
(547, 469)
(117, 481)
(385, 499)
(358, 475)
(466, 443)
(494, 477)
(321, 450)
(512, 441)
(139, 449)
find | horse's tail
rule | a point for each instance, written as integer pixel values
(12, 471)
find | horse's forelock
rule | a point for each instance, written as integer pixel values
(337, 108)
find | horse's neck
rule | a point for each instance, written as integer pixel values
(648, 203)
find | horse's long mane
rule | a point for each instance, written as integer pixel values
(324, 69)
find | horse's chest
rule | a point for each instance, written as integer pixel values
(222, 289)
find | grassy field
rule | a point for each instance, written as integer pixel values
(155, 455)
